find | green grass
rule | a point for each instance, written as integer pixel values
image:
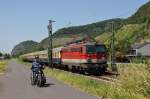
(3, 66)
(134, 83)
(81, 82)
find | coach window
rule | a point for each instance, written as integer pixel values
(76, 49)
(55, 54)
(65, 50)
(90, 49)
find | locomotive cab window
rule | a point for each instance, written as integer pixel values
(100, 48)
(90, 49)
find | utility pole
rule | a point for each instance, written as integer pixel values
(113, 63)
(147, 25)
(50, 44)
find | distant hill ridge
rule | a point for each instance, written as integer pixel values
(25, 47)
(135, 29)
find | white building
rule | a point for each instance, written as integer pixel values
(140, 50)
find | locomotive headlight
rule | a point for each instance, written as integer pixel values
(103, 58)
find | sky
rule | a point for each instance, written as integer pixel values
(22, 20)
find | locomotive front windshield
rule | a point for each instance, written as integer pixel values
(100, 48)
(91, 49)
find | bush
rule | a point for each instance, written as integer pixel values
(23, 59)
(3, 66)
(120, 57)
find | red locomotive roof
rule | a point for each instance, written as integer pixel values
(81, 44)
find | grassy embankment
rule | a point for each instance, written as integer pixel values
(3, 66)
(134, 82)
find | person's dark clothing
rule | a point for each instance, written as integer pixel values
(36, 66)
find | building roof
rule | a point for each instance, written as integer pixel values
(139, 46)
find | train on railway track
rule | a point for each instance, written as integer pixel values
(88, 58)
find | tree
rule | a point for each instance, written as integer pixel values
(1, 54)
(6, 56)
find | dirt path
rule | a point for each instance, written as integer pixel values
(15, 84)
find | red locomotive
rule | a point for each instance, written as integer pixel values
(88, 57)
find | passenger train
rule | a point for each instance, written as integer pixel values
(85, 57)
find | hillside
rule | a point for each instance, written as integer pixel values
(126, 36)
(66, 35)
(56, 41)
(24, 47)
(142, 15)
(136, 30)
(93, 29)
(133, 30)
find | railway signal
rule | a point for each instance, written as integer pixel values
(50, 44)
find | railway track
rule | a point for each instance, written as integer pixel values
(109, 77)
(105, 78)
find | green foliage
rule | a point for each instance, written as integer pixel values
(59, 41)
(141, 59)
(124, 37)
(22, 59)
(135, 77)
(6, 56)
(141, 16)
(103, 37)
(1, 54)
(93, 29)
(3, 66)
(121, 57)
(127, 35)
